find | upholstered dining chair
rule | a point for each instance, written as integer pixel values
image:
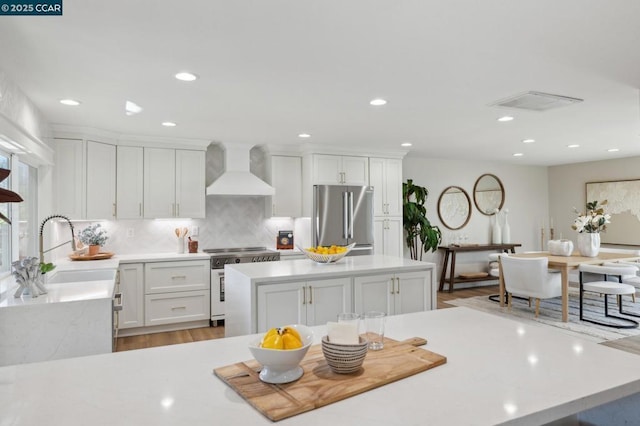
(608, 288)
(530, 277)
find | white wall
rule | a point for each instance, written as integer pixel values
(567, 187)
(526, 195)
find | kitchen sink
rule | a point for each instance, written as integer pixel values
(77, 276)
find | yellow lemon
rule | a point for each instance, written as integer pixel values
(292, 331)
(273, 342)
(290, 341)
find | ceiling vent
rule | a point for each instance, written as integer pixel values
(536, 101)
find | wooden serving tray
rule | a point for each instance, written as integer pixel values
(99, 256)
(319, 386)
(468, 275)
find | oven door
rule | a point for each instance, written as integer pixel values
(217, 294)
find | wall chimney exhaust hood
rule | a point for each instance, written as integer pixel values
(237, 179)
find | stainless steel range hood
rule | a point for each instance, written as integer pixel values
(237, 179)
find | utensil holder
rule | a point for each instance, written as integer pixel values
(180, 248)
(193, 246)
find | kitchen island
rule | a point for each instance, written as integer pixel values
(259, 296)
(497, 371)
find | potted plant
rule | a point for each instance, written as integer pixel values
(414, 217)
(93, 236)
(588, 225)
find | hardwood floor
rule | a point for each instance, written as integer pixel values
(207, 333)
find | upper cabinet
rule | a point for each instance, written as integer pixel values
(386, 178)
(85, 179)
(340, 170)
(174, 183)
(129, 182)
(286, 178)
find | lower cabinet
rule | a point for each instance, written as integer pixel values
(132, 288)
(170, 308)
(394, 294)
(171, 294)
(310, 303)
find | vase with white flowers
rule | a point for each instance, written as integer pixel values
(93, 236)
(588, 225)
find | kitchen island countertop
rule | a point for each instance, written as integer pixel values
(498, 371)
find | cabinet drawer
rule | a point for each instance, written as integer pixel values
(176, 307)
(163, 277)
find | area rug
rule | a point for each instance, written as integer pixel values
(551, 314)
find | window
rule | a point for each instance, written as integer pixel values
(5, 229)
(22, 233)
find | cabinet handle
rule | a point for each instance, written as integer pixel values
(304, 295)
(173, 210)
(178, 307)
(140, 209)
(310, 295)
(398, 290)
(114, 209)
(177, 209)
(393, 285)
(175, 277)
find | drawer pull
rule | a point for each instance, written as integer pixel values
(178, 307)
(175, 277)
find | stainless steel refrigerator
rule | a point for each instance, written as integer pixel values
(343, 215)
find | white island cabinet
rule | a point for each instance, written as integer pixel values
(267, 294)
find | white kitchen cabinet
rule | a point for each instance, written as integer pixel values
(132, 289)
(400, 293)
(129, 182)
(340, 170)
(177, 292)
(190, 184)
(286, 178)
(388, 236)
(385, 175)
(172, 308)
(70, 182)
(185, 275)
(101, 180)
(310, 302)
(85, 179)
(174, 183)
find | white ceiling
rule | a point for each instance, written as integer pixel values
(270, 70)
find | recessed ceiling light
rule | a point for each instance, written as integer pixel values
(406, 144)
(528, 140)
(69, 102)
(169, 124)
(304, 135)
(378, 102)
(186, 76)
(518, 154)
(613, 150)
(573, 145)
(505, 118)
(131, 108)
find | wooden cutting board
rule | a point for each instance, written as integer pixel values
(319, 386)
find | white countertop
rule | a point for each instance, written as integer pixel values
(66, 292)
(497, 371)
(308, 269)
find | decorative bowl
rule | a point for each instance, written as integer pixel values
(282, 365)
(344, 359)
(327, 258)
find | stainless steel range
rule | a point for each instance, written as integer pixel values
(221, 257)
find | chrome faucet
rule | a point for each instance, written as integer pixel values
(73, 238)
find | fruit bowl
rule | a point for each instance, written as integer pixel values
(327, 258)
(282, 365)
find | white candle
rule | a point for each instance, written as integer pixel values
(342, 333)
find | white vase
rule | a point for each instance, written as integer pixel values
(496, 237)
(589, 244)
(506, 231)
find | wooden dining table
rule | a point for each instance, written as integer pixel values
(565, 264)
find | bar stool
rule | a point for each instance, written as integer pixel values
(607, 288)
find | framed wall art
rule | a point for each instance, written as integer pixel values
(623, 204)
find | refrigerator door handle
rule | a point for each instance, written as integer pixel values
(350, 215)
(345, 215)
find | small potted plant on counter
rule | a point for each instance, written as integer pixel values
(93, 236)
